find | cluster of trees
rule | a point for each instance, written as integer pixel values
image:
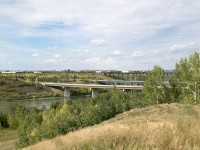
(61, 119)
(35, 125)
(183, 85)
(126, 76)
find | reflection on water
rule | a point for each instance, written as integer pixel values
(39, 103)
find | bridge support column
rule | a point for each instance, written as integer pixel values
(94, 92)
(66, 99)
(66, 92)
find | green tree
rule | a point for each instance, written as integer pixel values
(16, 114)
(175, 89)
(194, 62)
(28, 130)
(187, 77)
(154, 88)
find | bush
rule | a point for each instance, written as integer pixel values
(55, 105)
(3, 121)
(16, 115)
(27, 131)
(3, 82)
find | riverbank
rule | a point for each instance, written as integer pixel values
(11, 89)
(38, 102)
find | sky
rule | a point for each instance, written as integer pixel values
(97, 34)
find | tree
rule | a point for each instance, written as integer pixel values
(186, 79)
(175, 89)
(194, 62)
(154, 86)
(15, 115)
(27, 132)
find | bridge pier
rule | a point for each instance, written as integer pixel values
(66, 99)
(66, 92)
(94, 92)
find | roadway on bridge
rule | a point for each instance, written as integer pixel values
(96, 86)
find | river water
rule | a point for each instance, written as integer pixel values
(39, 103)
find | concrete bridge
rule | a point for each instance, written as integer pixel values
(93, 87)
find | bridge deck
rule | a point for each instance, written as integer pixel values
(96, 86)
(120, 82)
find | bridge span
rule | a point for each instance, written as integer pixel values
(93, 87)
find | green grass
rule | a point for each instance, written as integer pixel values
(8, 139)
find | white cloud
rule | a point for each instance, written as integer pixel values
(35, 55)
(86, 50)
(96, 60)
(117, 52)
(101, 61)
(121, 18)
(81, 51)
(138, 54)
(99, 42)
(120, 54)
(57, 56)
(53, 47)
(76, 50)
(110, 60)
(50, 61)
(178, 48)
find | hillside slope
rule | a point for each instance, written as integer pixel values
(161, 127)
(18, 89)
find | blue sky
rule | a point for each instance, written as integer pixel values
(99, 35)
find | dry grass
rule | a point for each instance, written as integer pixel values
(8, 138)
(162, 127)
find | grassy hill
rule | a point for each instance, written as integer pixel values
(161, 127)
(18, 89)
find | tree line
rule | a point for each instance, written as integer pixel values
(183, 85)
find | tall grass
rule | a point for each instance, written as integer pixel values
(164, 127)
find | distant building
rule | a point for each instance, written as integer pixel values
(8, 72)
(37, 72)
(125, 71)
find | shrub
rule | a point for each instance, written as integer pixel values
(3, 121)
(16, 115)
(27, 131)
(3, 82)
(55, 105)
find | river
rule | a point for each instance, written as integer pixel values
(39, 103)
